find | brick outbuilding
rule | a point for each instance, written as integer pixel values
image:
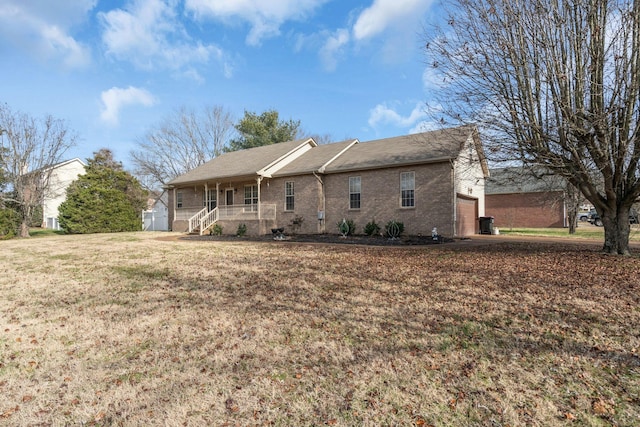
(518, 197)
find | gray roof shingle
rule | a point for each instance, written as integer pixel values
(349, 155)
(425, 147)
(513, 180)
(314, 160)
(239, 163)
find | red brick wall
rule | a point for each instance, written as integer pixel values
(531, 210)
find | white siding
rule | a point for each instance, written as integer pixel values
(61, 177)
(469, 177)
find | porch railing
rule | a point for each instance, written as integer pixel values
(194, 221)
(203, 219)
(208, 220)
(247, 212)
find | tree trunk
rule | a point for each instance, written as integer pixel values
(24, 229)
(572, 218)
(616, 232)
(572, 203)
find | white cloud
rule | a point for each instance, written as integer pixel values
(150, 35)
(432, 79)
(333, 47)
(381, 114)
(43, 28)
(116, 98)
(383, 14)
(265, 17)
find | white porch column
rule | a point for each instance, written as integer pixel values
(259, 180)
(206, 196)
(218, 197)
(175, 202)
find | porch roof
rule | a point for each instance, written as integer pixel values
(242, 163)
(428, 147)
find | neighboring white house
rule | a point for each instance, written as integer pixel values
(156, 218)
(62, 175)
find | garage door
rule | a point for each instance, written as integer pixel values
(467, 216)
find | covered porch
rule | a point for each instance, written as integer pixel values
(197, 207)
(204, 219)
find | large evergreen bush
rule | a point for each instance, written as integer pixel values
(105, 199)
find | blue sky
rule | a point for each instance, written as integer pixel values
(114, 69)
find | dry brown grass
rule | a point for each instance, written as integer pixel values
(128, 330)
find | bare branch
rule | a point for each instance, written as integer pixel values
(181, 142)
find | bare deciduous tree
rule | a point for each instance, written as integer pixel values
(29, 148)
(554, 83)
(182, 141)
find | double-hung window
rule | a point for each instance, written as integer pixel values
(354, 192)
(179, 199)
(407, 189)
(211, 199)
(289, 196)
(251, 196)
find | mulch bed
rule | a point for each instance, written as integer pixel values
(328, 239)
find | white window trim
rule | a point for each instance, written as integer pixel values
(359, 193)
(413, 175)
(292, 195)
(179, 200)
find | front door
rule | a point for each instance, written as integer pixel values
(230, 197)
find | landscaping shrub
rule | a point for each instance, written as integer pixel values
(216, 230)
(394, 228)
(347, 227)
(372, 229)
(242, 230)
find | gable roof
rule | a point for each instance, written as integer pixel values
(244, 163)
(428, 147)
(304, 156)
(511, 180)
(67, 162)
(316, 160)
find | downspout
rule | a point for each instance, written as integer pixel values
(324, 204)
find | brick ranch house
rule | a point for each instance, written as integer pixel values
(426, 180)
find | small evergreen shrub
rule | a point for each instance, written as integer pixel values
(216, 230)
(242, 230)
(347, 227)
(372, 229)
(9, 223)
(296, 223)
(394, 228)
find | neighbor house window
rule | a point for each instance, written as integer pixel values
(179, 199)
(211, 199)
(407, 189)
(288, 196)
(354, 192)
(251, 195)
